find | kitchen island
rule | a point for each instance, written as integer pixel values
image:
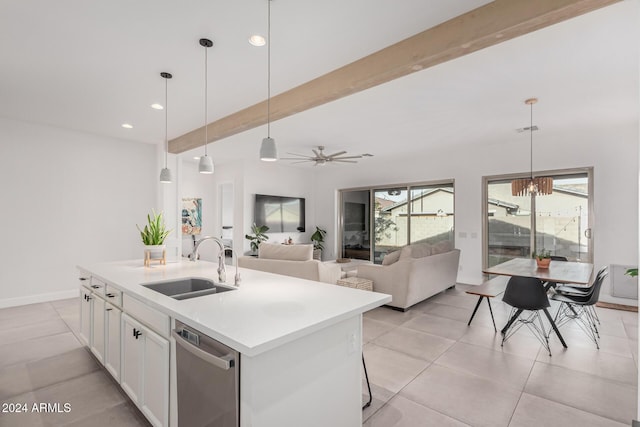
(300, 342)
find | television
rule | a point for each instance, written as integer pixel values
(280, 214)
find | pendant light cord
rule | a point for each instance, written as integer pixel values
(166, 107)
(531, 140)
(206, 135)
(269, 69)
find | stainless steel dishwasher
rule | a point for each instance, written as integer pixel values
(208, 375)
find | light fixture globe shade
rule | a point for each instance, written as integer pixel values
(206, 165)
(268, 151)
(165, 176)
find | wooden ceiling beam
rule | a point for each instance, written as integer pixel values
(485, 26)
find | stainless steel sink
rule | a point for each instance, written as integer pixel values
(191, 287)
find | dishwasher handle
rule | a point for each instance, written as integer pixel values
(225, 362)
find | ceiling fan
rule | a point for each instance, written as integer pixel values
(321, 159)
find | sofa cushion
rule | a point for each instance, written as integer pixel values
(417, 250)
(285, 252)
(391, 258)
(442, 247)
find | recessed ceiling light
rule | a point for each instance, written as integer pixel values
(127, 126)
(157, 107)
(196, 158)
(257, 40)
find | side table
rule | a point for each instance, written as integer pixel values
(357, 283)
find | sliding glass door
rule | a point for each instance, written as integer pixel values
(355, 213)
(401, 214)
(391, 225)
(560, 222)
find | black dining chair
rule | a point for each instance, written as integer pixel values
(581, 308)
(526, 294)
(582, 291)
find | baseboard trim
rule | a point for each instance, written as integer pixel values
(34, 299)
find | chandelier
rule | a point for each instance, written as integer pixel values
(539, 185)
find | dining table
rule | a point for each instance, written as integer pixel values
(566, 272)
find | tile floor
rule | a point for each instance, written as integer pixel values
(42, 361)
(426, 366)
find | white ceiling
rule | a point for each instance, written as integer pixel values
(91, 66)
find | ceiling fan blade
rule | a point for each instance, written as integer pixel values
(346, 157)
(339, 153)
(344, 161)
(300, 155)
(301, 161)
(317, 153)
(306, 159)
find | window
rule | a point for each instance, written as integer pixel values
(560, 222)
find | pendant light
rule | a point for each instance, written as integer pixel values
(268, 150)
(206, 163)
(165, 173)
(537, 186)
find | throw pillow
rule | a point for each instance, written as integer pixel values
(391, 258)
(420, 250)
(442, 247)
(405, 252)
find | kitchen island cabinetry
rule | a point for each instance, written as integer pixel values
(145, 370)
(299, 342)
(86, 316)
(113, 316)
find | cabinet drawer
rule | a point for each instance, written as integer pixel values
(156, 320)
(97, 285)
(113, 295)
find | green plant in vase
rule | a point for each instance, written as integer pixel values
(318, 242)
(257, 237)
(155, 232)
(153, 236)
(543, 258)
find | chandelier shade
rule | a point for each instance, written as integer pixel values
(542, 186)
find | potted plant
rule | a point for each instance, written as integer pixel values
(154, 234)
(318, 242)
(543, 258)
(257, 237)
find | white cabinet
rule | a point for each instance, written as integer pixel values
(98, 328)
(112, 340)
(145, 370)
(86, 314)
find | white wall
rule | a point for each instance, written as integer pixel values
(612, 152)
(279, 180)
(68, 198)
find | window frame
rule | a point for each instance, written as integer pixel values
(486, 180)
(408, 186)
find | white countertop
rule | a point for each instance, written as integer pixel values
(266, 311)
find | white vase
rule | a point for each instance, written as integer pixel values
(155, 251)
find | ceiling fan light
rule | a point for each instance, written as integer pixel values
(268, 150)
(165, 176)
(206, 165)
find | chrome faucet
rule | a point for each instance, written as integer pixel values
(222, 270)
(236, 278)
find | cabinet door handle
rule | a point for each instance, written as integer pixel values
(110, 295)
(88, 297)
(95, 286)
(109, 309)
(84, 278)
(137, 334)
